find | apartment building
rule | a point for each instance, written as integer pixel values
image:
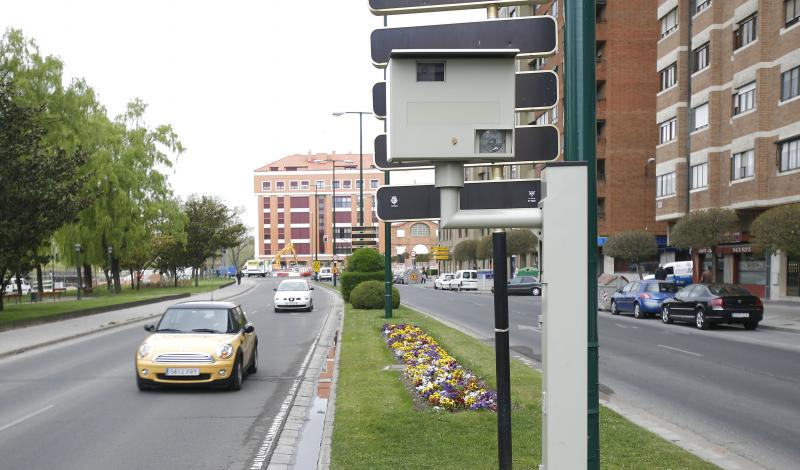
(728, 119)
(296, 204)
(626, 101)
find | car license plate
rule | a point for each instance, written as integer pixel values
(741, 315)
(182, 371)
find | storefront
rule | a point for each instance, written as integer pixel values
(793, 276)
(745, 267)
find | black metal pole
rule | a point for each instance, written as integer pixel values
(501, 349)
(360, 170)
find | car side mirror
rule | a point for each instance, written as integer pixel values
(275, 289)
(619, 291)
(150, 327)
(310, 288)
(249, 328)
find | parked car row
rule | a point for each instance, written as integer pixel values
(463, 279)
(701, 304)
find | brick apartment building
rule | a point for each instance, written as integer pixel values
(728, 117)
(626, 91)
(296, 204)
(417, 236)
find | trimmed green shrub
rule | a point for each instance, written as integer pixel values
(350, 280)
(369, 295)
(365, 260)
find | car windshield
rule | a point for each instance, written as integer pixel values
(727, 289)
(664, 287)
(200, 320)
(293, 286)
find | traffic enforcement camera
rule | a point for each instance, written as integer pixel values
(451, 105)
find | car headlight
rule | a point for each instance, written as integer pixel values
(224, 351)
(144, 350)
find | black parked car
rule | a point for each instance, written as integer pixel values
(706, 304)
(524, 285)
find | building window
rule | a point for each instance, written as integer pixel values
(790, 83)
(299, 202)
(700, 176)
(601, 208)
(667, 130)
(744, 99)
(700, 58)
(294, 185)
(336, 184)
(358, 184)
(280, 203)
(373, 184)
(342, 202)
(790, 154)
(752, 269)
(266, 185)
(304, 184)
(701, 5)
(743, 165)
(279, 186)
(543, 119)
(669, 23)
(700, 117)
(266, 202)
(669, 76)
(601, 169)
(347, 184)
(745, 32)
(665, 184)
(420, 230)
(792, 8)
(401, 233)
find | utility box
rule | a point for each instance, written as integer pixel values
(451, 105)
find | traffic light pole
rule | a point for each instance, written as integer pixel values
(580, 145)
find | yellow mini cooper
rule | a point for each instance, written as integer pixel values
(198, 343)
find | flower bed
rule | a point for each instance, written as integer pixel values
(436, 375)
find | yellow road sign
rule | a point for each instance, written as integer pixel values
(316, 266)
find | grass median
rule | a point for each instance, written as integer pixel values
(378, 425)
(26, 311)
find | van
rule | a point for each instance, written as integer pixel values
(11, 287)
(325, 274)
(680, 272)
(465, 279)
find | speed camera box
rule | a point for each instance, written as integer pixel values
(451, 105)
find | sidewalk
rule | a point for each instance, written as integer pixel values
(23, 339)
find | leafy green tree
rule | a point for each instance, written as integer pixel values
(466, 250)
(169, 251)
(210, 227)
(778, 229)
(484, 248)
(40, 185)
(521, 242)
(705, 229)
(631, 246)
(245, 250)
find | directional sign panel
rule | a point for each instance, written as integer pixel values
(421, 202)
(532, 144)
(397, 7)
(533, 35)
(534, 91)
(379, 100)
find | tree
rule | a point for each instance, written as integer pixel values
(40, 185)
(243, 251)
(211, 226)
(521, 242)
(631, 246)
(466, 250)
(778, 229)
(484, 248)
(170, 255)
(705, 229)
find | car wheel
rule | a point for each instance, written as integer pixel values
(665, 315)
(637, 311)
(700, 320)
(614, 310)
(310, 307)
(235, 381)
(536, 291)
(253, 367)
(143, 385)
(277, 310)
(750, 325)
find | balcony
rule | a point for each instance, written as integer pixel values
(600, 108)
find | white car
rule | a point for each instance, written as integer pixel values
(325, 274)
(11, 287)
(443, 281)
(293, 294)
(465, 279)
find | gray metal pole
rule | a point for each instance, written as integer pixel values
(333, 212)
(360, 169)
(501, 347)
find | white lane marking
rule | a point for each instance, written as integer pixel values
(625, 326)
(26, 417)
(526, 327)
(680, 350)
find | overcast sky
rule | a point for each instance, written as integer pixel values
(242, 82)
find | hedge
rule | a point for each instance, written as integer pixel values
(350, 280)
(370, 295)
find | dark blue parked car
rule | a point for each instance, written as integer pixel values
(642, 297)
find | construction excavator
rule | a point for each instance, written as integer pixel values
(276, 263)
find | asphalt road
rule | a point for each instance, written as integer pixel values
(76, 406)
(739, 389)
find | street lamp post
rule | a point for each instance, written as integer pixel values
(333, 213)
(360, 160)
(110, 250)
(78, 269)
